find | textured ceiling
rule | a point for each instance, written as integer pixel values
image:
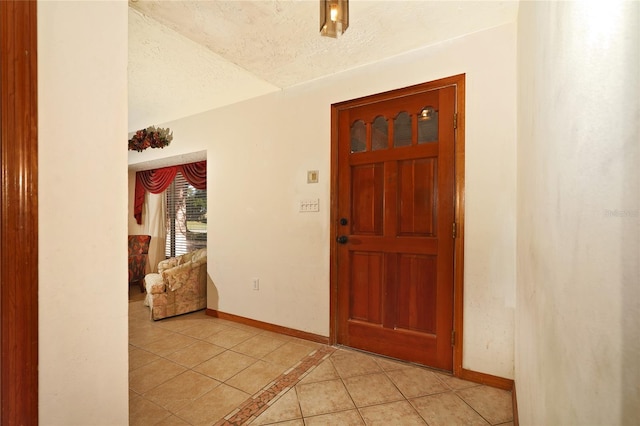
(187, 57)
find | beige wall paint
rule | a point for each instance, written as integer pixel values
(82, 97)
(258, 152)
(578, 312)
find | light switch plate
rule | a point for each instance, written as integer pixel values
(307, 206)
(312, 176)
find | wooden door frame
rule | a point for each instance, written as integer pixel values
(459, 188)
(19, 213)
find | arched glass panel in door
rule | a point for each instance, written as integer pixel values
(402, 130)
(379, 133)
(358, 136)
(427, 125)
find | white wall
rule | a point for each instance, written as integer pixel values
(578, 313)
(258, 153)
(82, 97)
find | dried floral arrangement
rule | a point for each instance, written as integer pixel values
(151, 137)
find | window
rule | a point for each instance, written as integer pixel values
(186, 217)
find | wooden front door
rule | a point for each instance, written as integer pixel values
(394, 187)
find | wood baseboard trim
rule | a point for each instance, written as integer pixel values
(269, 327)
(514, 402)
(486, 379)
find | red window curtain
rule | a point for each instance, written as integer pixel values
(195, 174)
(158, 180)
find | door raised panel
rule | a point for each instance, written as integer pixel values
(416, 293)
(366, 289)
(417, 191)
(367, 198)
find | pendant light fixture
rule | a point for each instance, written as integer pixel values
(334, 17)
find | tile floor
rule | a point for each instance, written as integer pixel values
(198, 370)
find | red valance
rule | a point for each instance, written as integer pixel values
(158, 180)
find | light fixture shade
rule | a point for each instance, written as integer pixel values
(334, 17)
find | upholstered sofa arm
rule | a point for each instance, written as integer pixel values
(175, 277)
(172, 262)
(154, 284)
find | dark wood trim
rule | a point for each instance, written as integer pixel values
(514, 403)
(18, 214)
(458, 273)
(333, 230)
(458, 285)
(269, 327)
(486, 379)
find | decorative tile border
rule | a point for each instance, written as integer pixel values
(264, 398)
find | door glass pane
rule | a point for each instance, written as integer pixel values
(402, 130)
(358, 137)
(380, 133)
(427, 125)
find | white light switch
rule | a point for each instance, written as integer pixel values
(307, 206)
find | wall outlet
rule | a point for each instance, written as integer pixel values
(256, 283)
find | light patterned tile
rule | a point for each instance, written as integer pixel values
(181, 323)
(240, 326)
(446, 409)
(212, 406)
(169, 344)
(164, 392)
(204, 329)
(323, 397)
(372, 389)
(350, 417)
(230, 337)
(143, 412)
(391, 364)
(140, 357)
(324, 371)
(288, 354)
(493, 404)
(145, 335)
(454, 382)
(394, 413)
(153, 374)
(284, 409)
(136, 324)
(296, 422)
(172, 421)
(259, 345)
(349, 364)
(415, 381)
(305, 342)
(138, 312)
(195, 354)
(181, 390)
(225, 365)
(255, 377)
(274, 335)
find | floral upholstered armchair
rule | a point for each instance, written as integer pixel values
(138, 254)
(180, 286)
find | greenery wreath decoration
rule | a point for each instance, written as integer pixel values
(151, 137)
